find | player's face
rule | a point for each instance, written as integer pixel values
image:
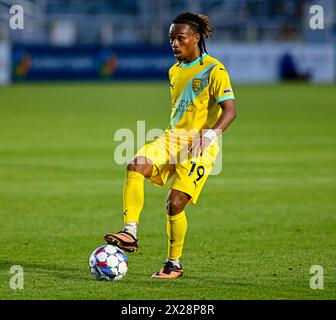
(184, 42)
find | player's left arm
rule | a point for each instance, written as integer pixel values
(225, 119)
(227, 116)
(221, 90)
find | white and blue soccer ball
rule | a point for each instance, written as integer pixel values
(108, 262)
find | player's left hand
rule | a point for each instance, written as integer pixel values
(198, 146)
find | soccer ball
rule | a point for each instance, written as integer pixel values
(108, 262)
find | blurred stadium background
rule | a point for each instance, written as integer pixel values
(108, 39)
(61, 189)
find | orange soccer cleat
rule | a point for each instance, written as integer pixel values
(123, 240)
(169, 271)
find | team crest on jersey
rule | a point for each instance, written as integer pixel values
(196, 84)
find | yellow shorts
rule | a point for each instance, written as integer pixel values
(171, 158)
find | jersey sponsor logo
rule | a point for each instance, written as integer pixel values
(186, 106)
(193, 88)
(227, 91)
(196, 84)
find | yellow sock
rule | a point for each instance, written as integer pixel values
(176, 231)
(133, 196)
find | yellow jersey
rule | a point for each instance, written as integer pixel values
(196, 90)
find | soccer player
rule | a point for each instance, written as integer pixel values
(202, 108)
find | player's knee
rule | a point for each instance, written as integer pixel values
(174, 206)
(132, 167)
(141, 165)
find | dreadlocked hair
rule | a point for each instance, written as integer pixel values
(199, 24)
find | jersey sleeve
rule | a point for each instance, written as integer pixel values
(220, 84)
(169, 73)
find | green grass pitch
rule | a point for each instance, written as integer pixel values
(258, 226)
